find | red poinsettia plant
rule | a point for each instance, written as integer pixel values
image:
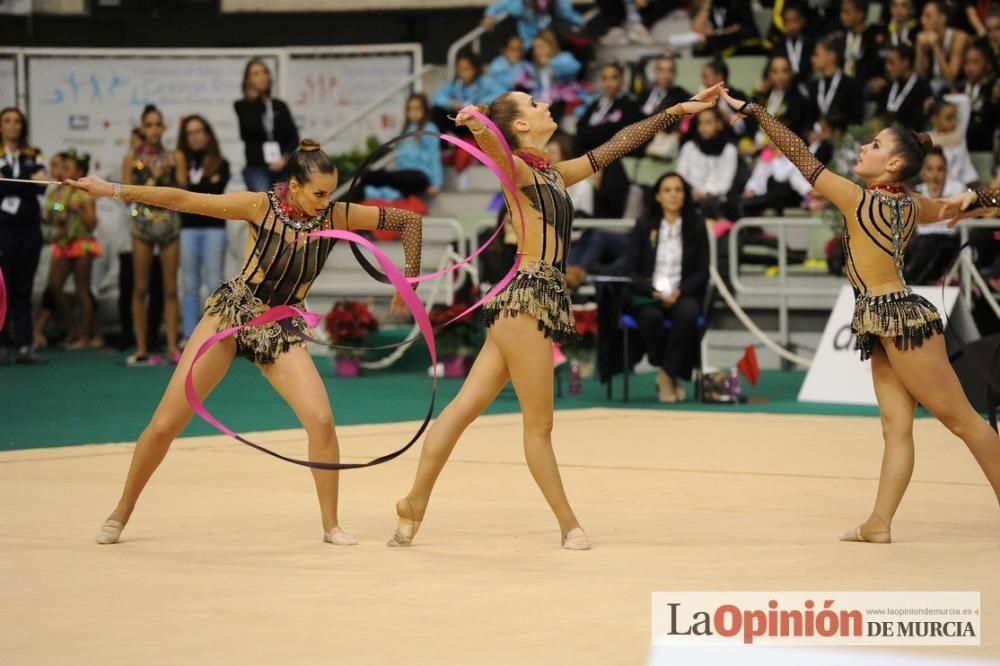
(348, 323)
(586, 322)
(459, 338)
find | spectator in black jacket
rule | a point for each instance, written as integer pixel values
(610, 112)
(832, 89)
(20, 234)
(266, 127)
(907, 98)
(668, 262)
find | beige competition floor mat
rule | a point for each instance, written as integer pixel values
(223, 561)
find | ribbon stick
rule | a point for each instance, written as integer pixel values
(281, 312)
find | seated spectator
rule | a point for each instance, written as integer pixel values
(533, 16)
(506, 67)
(993, 31)
(939, 48)
(933, 246)
(726, 27)
(417, 170)
(708, 162)
(861, 42)
(794, 44)
(630, 20)
(983, 90)
(668, 261)
(901, 30)
(908, 98)
(612, 111)
(774, 184)
(948, 132)
(832, 90)
(469, 86)
(821, 16)
(659, 96)
(716, 71)
(551, 77)
(780, 96)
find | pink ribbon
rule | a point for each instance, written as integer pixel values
(279, 312)
(402, 285)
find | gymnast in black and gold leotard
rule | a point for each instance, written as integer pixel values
(535, 306)
(897, 329)
(278, 269)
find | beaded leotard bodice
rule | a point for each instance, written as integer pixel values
(875, 240)
(546, 239)
(278, 266)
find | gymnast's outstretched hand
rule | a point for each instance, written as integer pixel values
(95, 186)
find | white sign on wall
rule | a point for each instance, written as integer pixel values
(837, 375)
(324, 92)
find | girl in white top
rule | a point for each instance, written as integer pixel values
(708, 161)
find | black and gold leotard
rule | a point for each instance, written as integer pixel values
(539, 289)
(877, 230)
(278, 269)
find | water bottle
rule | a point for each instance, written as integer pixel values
(574, 378)
(735, 390)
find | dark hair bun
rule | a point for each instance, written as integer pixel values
(308, 145)
(924, 139)
(483, 109)
(149, 108)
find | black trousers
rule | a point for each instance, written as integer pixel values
(613, 11)
(154, 313)
(674, 349)
(406, 181)
(20, 249)
(928, 257)
(779, 196)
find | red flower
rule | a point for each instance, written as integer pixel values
(349, 323)
(586, 321)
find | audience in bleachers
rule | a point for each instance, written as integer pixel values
(782, 99)
(417, 170)
(610, 112)
(983, 90)
(725, 28)
(795, 44)
(832, 89)
(658, 94)
(629, 20)
(468, 86)
(948, 128)
(551, 76)
(708, 162)
(507, 66)
(939, 47)
(902, 27)
(933, 246)
(534, 16)
(907, 99)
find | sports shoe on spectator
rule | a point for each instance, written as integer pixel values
(26, 356)
(174, 357)
(638, 34)
(137, 360)
(614, 37)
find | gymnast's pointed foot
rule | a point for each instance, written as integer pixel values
(873, 530)
(339, 537)
(576, 539)
(110, 532)
(409, 522)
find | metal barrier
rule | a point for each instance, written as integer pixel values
(783, 291)
(414, 80)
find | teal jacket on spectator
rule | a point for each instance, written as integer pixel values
(422, 153)
(530, 24)
(481, 91)
(564, 67)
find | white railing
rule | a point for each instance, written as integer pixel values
(414, 80)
